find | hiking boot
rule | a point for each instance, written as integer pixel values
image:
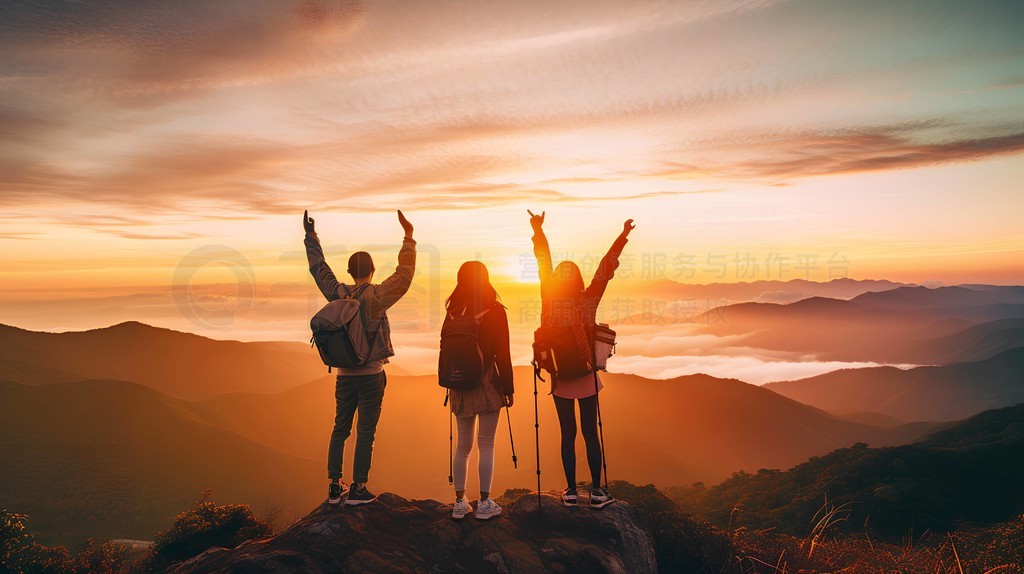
(599, 498)
(461, 508)
(335, 492)
(360, 495)
(569, 497)
(486, 509)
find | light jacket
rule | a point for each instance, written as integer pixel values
(375, 299)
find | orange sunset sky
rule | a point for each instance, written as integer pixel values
(154, 147)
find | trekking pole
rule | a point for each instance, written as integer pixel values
(536, 427)
(451, 452)
(508, 417)
(600, 425)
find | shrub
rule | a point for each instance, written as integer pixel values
(513, 494)
(19, 552)
(206, 526)
(100, 557)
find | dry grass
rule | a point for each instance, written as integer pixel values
(970, 550)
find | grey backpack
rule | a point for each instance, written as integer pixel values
(338, 332)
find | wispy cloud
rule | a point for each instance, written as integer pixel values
(149, 121)
(141, 52)
(222, 172)
(834, 152)
(19, 235)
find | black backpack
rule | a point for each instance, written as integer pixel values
(564, 351)
(338, 332)
(460, 366)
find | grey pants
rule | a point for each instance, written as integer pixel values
(362, 393)
(485, 443)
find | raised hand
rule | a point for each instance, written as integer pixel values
(627, 227)
(405, 224)
(307, 222)
(536, 220)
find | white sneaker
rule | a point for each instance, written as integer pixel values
(486, 509)
(461, 508)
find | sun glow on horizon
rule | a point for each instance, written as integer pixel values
(878, 150)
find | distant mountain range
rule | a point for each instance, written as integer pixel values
(974, 343)
(940, 393)
(104, 457)
(767, 291)
(114, 430)
(717, 426)
(179, 364)
(903, 325)
(970, 471)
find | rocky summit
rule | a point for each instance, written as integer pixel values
(398, 535)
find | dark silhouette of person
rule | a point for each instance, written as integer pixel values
(474, 295)
(361, 388)
(564, 300)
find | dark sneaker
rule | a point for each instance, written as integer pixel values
(599, 498)
(335, 492)
(569, 497)
(360, 495)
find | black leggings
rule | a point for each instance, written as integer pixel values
(588, 423)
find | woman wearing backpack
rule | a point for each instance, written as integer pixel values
(475, 299)
(566, 302)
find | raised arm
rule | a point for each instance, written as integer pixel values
(540, 248)
(318, 267)
(397, 284)
(609, 263)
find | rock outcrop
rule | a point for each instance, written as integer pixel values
(399, 535)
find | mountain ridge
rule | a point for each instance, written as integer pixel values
(939, 393)
(178, 363)
(969, 471)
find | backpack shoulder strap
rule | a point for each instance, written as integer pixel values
(481, 314)
(354, 293)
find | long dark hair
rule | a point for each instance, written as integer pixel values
(473, 292)
(567, 282)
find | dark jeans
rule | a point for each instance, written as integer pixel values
(588, 423)
(365, 394)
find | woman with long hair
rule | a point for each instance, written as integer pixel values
(474, 296)
(565, 300)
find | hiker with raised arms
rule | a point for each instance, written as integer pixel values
(564, 345)
(475, 365)
(353, 334)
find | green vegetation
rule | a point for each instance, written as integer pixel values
(972, 472)
(19, 552)
(206, 526)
